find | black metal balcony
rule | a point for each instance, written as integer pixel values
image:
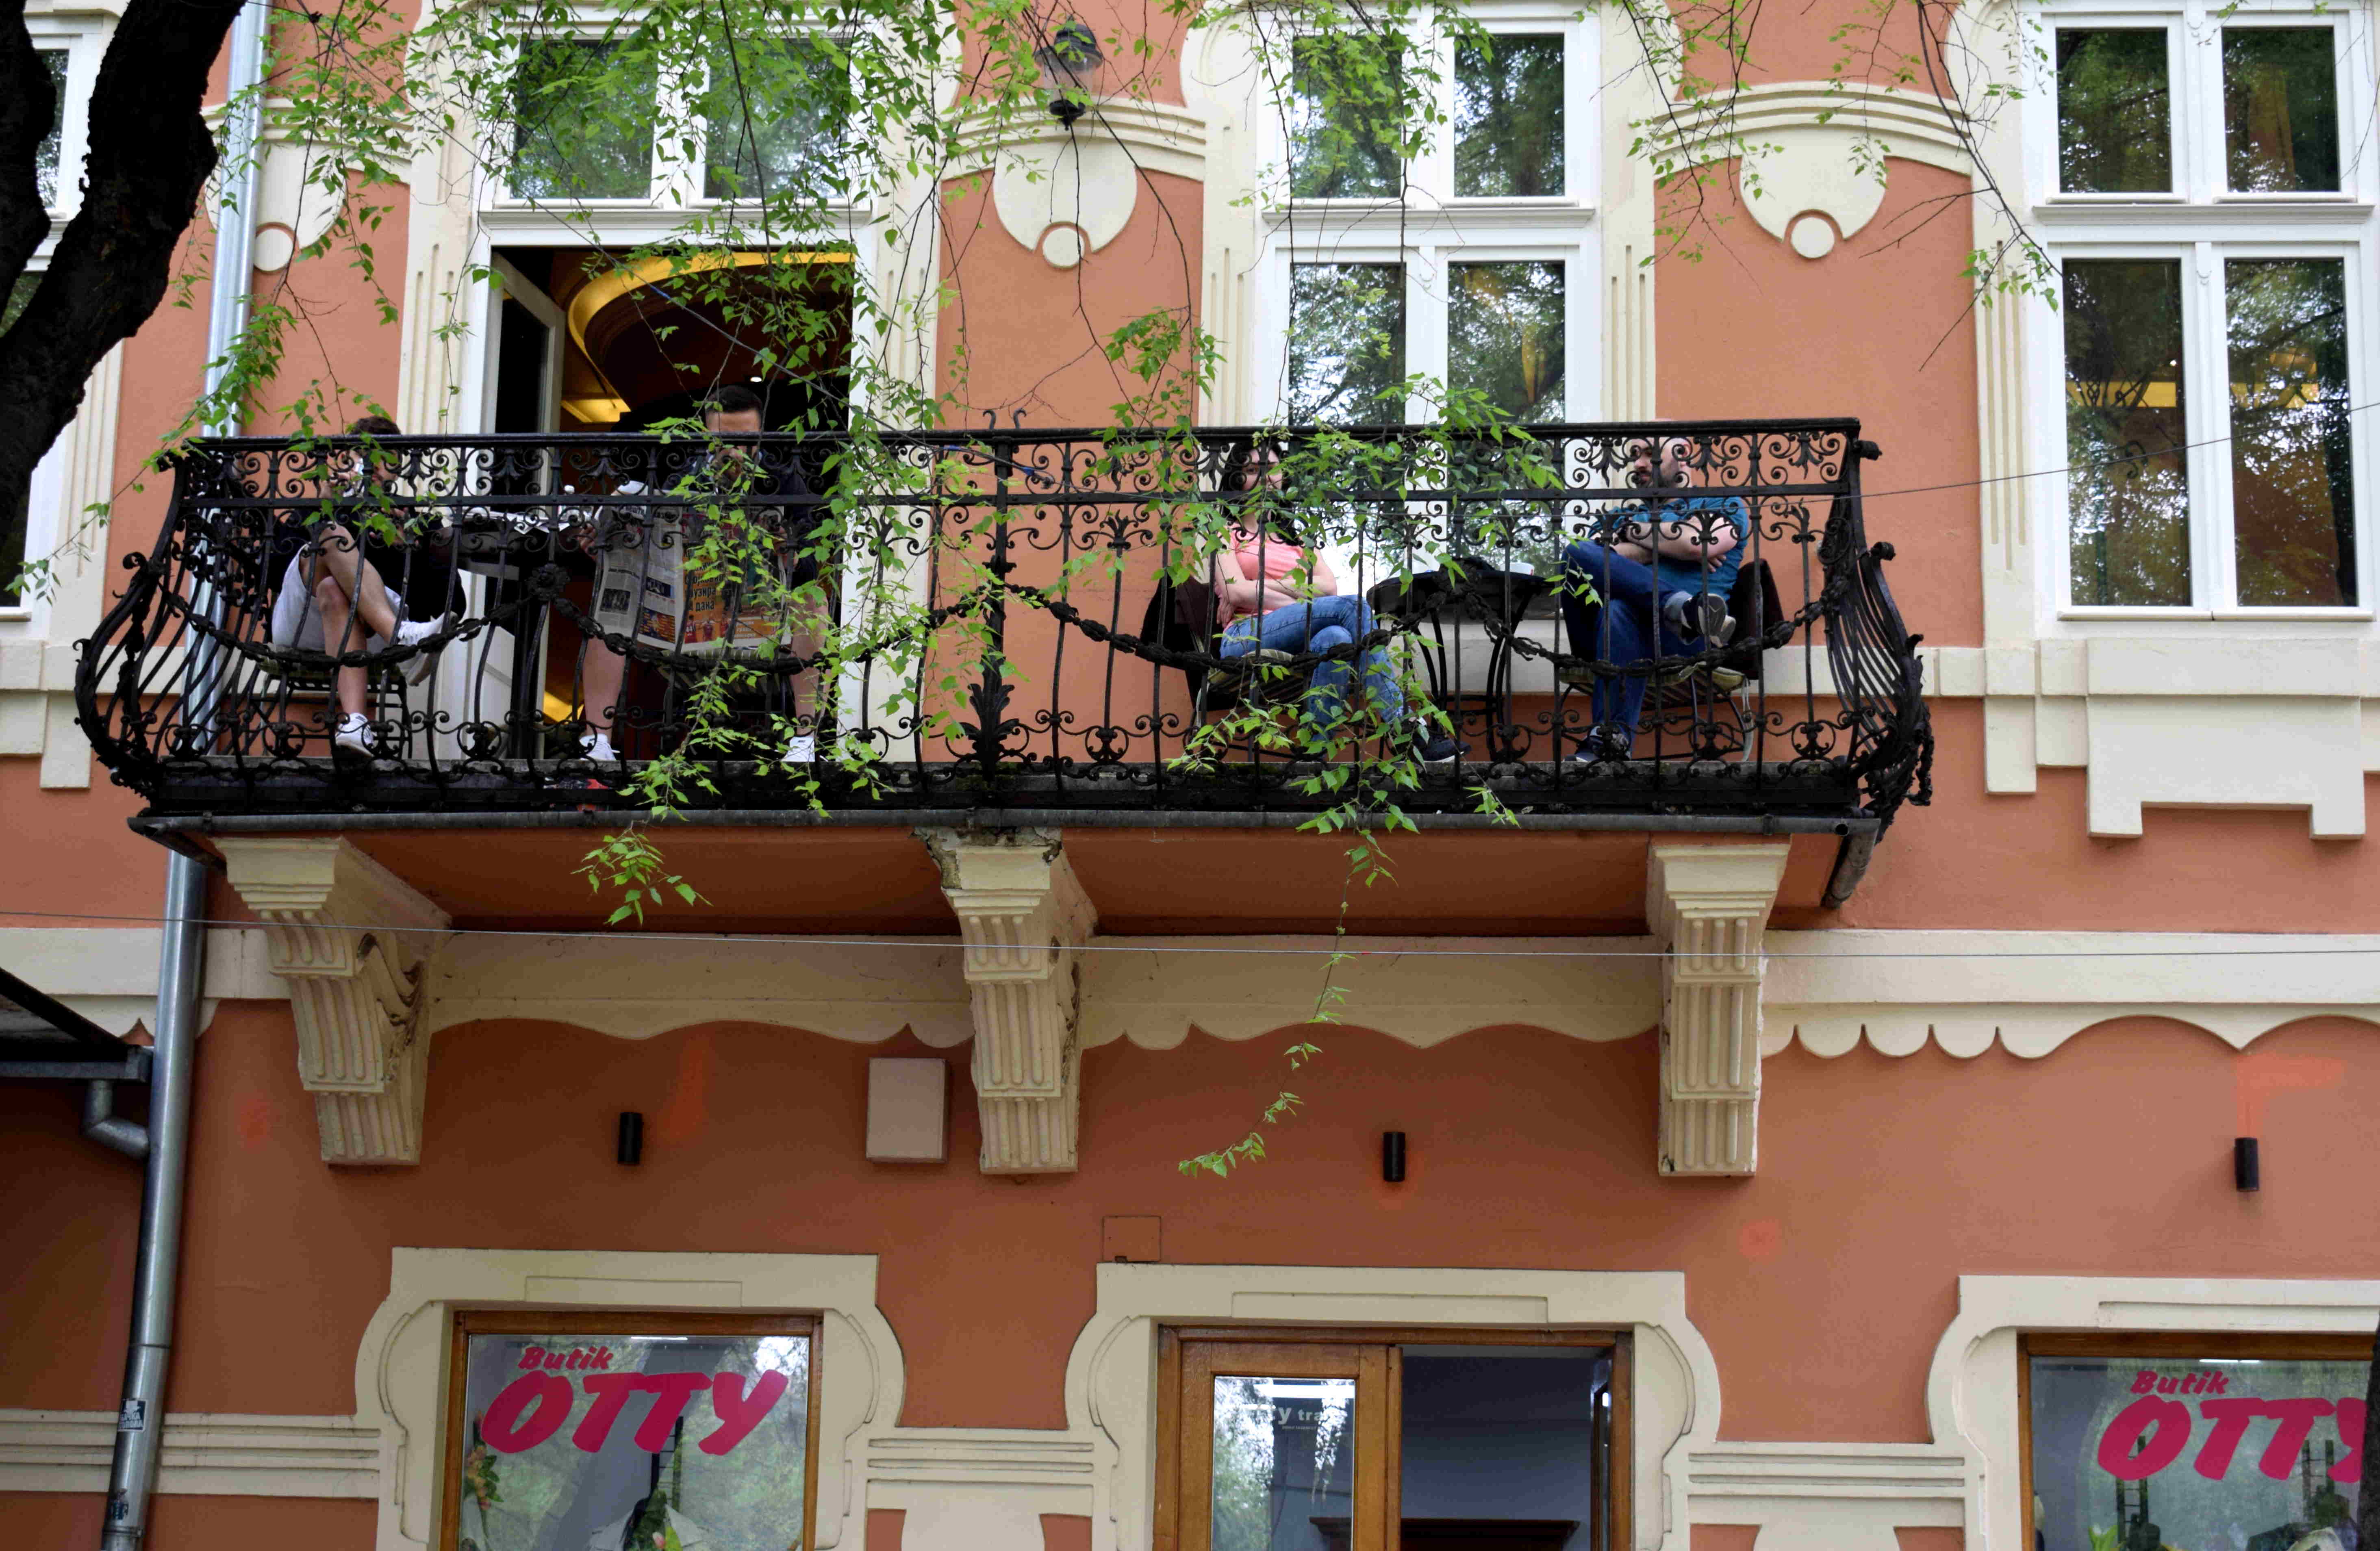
(1053, 648)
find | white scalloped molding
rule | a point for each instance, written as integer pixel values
(109, 974)
(1811, 155)
(1112, 1375)
(401, 1361)
(1082, 184)
(2030, 992)
(1971, 1392)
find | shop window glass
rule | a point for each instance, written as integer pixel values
(52, 146)
(2114, 111)
(1344, 114)
(2128, 485)
(672, 1434)
(1277, 1443)
(773, 118)
(1347, 344)
(2292, 472)
(2280, 109)
(562, 152)
(1508, 116)
(2210, 1444)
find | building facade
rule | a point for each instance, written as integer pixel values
(1917, 1097)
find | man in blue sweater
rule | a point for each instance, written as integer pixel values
(1656, 580)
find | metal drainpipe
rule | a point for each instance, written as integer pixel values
(181, 970)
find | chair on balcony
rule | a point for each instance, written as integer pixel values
(1181, 617)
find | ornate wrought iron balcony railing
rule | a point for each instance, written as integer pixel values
(1023, 622)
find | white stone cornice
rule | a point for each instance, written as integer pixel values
(352, 941)
(1710, 904)
(1021, 914)
(205, 1455)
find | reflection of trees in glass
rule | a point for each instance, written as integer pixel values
(1344, 113)
(2127, 489)
(45, 155)
(1284, 1454)
(797, 92)
(1504, 336)
(2113, 105)
(561, 150)
(13, 518)
(2292, 478)
(1508, 116)
(1346, 344)
(551, 1497)
(2280, 108)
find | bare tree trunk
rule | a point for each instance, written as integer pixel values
(149, 154)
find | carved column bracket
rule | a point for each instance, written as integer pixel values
(1021, 914)
(354, 941)
(1710, 904)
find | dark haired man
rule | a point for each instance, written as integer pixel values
(1656, 584)
(757, 481)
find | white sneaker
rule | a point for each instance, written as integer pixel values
(413, 632)
(597, 747)
(353, 737)
(801, 750)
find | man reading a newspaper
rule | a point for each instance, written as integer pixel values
(731, 577)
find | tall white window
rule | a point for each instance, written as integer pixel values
(1472, 262)
(2203, 178)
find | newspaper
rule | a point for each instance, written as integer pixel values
(643, 588)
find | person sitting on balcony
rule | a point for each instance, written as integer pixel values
(1275, 594)
(1655, 584)
(754, 480)
(335, 595)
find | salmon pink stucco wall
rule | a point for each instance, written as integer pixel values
(1031, 335)
(1821, 1283)
(1881, 328)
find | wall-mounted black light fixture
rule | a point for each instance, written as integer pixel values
(632, 1137)
(1068, 62)
(1392, 1157)
(2247, 1170)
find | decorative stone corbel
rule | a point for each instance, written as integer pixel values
(1021, 914)
(1709, 905)
(353, 940)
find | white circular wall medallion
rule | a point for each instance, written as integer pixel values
(1812, 235)
(1063, 245)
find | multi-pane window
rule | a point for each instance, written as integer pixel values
(2214, 242)
(2137, 1443)
(1305, 1441)
(759, 122)
(1467, 261)
(566, 1431)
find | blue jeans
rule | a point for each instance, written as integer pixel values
(1624, 627)
(1318, 624)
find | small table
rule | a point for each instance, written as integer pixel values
(1473, 590)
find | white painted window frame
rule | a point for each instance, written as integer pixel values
(82, 40)
(1435, 229)
(2201, 224)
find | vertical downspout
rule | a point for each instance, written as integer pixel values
(181, 970)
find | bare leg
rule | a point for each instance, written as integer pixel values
(339, 555)
(340, 635)
(601, 670)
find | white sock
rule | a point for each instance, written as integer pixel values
(597, 746)
(409, 631)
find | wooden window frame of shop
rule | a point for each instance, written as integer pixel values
(2279, 1346)
(1370, 1352)
(513, 1320)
